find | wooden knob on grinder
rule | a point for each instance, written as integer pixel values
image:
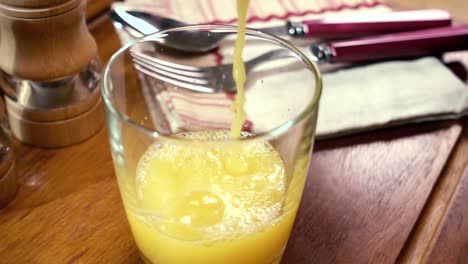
(33, 3)
(44, 40)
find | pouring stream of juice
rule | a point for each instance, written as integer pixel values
(238, 71)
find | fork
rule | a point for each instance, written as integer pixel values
(211, 79)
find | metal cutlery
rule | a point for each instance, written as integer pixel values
(209, 79)
(392, 46)
(398, 45)
(140, 24)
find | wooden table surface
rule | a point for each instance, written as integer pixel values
(395, 195)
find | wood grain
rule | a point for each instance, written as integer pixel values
(450, 243)
(364, 194)
(362, 198)
(53, 134)
(46, 47)
(7, 177)
(7, 163)
(88, 226)
(433, 218)
(437, 206)
(33, 3)
(26, 39)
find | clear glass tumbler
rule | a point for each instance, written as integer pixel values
(193, 193)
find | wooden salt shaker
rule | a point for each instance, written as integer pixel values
(7, 163)
(50, 72)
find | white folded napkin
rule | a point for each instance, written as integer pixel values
(389, 93)
(354, 99)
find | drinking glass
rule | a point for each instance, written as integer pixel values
(191, 192)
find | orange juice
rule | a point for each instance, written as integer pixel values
(202, 202)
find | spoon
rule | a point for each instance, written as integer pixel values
(140, 23)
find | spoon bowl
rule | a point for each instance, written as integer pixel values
(140, 24)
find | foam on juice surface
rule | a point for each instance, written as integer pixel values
(215, 189)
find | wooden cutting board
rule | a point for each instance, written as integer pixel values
(365, 193)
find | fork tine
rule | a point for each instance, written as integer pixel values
(174, 74)
(168, 64)
(155, 64)
(162, 65)
(161, 75)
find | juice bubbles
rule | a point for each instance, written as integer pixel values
(207, 202)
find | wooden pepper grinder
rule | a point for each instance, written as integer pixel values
(50, 72)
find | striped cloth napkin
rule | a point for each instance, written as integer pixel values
(354, 99)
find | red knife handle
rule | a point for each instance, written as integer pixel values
(400, 45)
(372, 24)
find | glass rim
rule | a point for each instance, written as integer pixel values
(311, 106)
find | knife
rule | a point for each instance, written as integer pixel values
(433, 41)
(362, 25)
